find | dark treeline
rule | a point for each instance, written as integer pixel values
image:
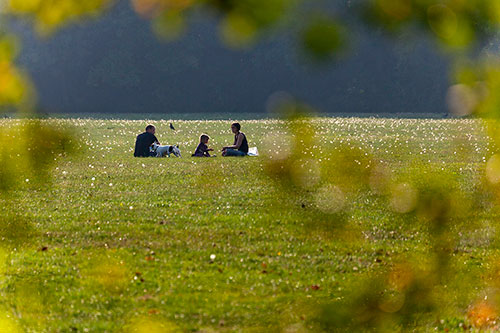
(117, 65)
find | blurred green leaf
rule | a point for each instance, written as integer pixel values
(323, 38)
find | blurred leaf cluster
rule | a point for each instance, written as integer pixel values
(321, 180)
(384, 302)
(456, 24)
(244, 22)
(321, 28)
(322, 184)
(28, 151)
(241, 20)
(51, 15)
(319, 183)
(15, 87)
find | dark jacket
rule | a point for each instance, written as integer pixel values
(142, 144)
(201, 151)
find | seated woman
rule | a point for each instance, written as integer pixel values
(240, 146)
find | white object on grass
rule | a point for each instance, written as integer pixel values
(253, 151)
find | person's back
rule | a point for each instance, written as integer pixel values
(244, 144)
(201, 151)
(144, 141)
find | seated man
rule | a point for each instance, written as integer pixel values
(144, 141)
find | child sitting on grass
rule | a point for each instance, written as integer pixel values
(202, 150)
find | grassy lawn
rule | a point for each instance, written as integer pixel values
(122, 244)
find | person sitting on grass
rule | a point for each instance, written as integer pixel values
(144, 141)
(202, 150)
(240, 146)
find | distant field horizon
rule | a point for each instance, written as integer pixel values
(228, 116)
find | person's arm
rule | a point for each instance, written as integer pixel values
(239, 141)
(156, 140)
(206, 149)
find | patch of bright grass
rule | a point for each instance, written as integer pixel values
(205, 244)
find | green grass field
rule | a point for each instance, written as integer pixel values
(120, 244)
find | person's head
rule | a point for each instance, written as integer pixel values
(235, 127)
(204, 138)
(151, 129)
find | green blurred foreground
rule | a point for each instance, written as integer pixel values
(341, 224)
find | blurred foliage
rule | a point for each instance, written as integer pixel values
(324, 37)
(15, 87)
(28, 151)
(16, 230)
(476, 89)
(321, 28)
(242, 21)
(52, 14)
(382, 303)
(7, 324)
(106, 271)
(453, 23)
(331, 179)
(320, 184)
(144, 325)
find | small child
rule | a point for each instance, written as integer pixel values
(202, 150)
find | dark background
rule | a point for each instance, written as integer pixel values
(116, 64)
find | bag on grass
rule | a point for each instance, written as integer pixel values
(253, 151)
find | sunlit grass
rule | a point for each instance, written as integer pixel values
(212, 244)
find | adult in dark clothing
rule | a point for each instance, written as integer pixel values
(240, 146)
(202, 150)
(144, 141)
